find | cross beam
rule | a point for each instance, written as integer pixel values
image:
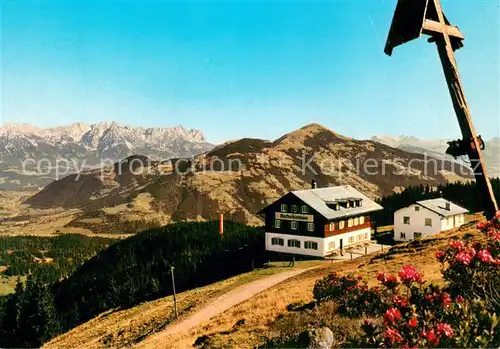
(431, 27)
(415, 17)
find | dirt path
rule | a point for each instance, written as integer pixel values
(226, 301)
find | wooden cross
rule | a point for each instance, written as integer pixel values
(413, 18)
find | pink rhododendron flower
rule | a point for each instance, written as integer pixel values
(393, 335)
(495, 234)
(485, 256)
(445, 329)
(388, 280)
(440, 256)
(459, 299)
(409, 274)
(400, 301)
(470, 250)
(431, 337)
(456, 244)
(481, 225)
(407, 346)
(413, 322)
(463, 257)
(446, 299)
(392, 315)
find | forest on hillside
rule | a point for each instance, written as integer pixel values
(466, 195)
(51, 258)
(126, 273)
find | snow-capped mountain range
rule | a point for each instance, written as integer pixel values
(437, 148)
(26, 150)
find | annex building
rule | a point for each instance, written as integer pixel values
(427, 217)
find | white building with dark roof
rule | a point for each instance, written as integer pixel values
(427, 217)
(319, 222)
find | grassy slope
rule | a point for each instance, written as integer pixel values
(137, 326)
(119, 328)
(261, 311)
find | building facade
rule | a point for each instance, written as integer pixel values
(318, 222)
(425, 218)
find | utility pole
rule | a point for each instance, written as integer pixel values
(173, 288)
(413, 18)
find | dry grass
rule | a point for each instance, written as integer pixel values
(260, 312)
(8, 284)
(385, 228)
(118, 328)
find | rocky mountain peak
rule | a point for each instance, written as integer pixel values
(90, 144)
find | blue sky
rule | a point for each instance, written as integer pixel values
(234, 69)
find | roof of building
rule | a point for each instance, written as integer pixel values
(439, 206)
(318, 198)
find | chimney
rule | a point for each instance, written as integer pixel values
(447, 206)
(313, 184)
(221, 224)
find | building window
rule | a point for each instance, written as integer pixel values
(403, 236)
(304, 209)
(350, 240)
(366, 236)
(310, 226)
(428, 222)
(277, 241)
(349, 222)
(311, 245)
(341, 224)
(332, 226)
(283, 207)
(331, 245)
(293, 225)
(277, 223)
(359, 237)
(406, 220)
(293, 243)
(294, 208)
(417, 208)
(356, 221)
(362, 220)
(417, 235)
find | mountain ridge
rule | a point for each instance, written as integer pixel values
(437, 148)
(31, 156)
(241, 177)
